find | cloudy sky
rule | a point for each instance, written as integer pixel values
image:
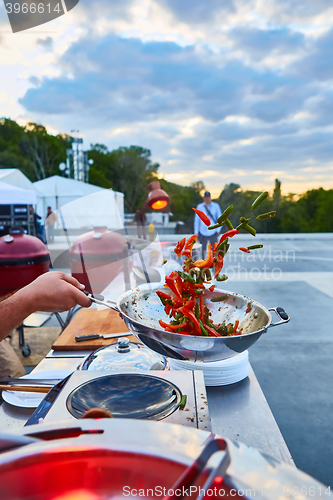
(219, 90)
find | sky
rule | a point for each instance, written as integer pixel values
(220, 91)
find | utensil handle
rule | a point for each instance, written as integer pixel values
(99, 299)
(26, 388)
(81, 338)
(284, 318)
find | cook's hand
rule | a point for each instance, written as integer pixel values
(54, 292)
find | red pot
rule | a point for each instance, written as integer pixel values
(22, 259)
(97, 257)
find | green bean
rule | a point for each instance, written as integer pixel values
(223, 249)
(243, 223)
(214, 226)
(219, 298)
(254, 247)
(259, 200)
(207, 320)
(182, 403)
(202, 328)
(250, 230)
(197, 311)
(225, 214)
(208, 275)
(268, 215)
(192, 273)
(186, 277)
(224, 277)
(163, 300)
(228, 223)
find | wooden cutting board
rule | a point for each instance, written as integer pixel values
(87, 322)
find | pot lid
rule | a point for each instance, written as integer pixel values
(126, 395)
(124, 355)
(14, 246)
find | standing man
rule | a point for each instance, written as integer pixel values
(213, 211)
(51, 219)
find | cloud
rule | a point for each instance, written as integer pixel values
(46, 43)
(161, 79)
(259, 43)
(318, 64)
(197, 11)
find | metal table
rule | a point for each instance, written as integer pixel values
(239, 411)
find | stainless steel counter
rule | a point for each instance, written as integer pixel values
(239, 411)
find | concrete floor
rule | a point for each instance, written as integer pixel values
(293, 362)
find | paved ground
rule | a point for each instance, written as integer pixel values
(294, 362)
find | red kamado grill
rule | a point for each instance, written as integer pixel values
(97, 257)
(22, 259)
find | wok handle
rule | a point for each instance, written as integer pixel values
(284, 318)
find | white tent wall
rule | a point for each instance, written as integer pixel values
(12, 195)
(15, 177)
(82, 205)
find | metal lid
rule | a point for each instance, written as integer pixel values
(124, 355)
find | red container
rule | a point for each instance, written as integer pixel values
(22, 259)
(97, 257)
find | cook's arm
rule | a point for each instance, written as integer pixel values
(51, 292)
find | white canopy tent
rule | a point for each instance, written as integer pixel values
(15, 177)
(82, 205)
(11, 195)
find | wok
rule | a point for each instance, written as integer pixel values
(141, 309)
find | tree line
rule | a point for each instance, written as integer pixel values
(37, 154)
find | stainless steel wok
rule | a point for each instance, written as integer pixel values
(141, 309)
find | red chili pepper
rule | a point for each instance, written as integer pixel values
(243, 249)
(174, 282)
(177, 302)
(179, 247)
(187, 252)
(211, 288)
(163, 295)
(190, 304)
(212, 331)
(219, 265)
(228, 234)
(248, 309)
(209, 261)
(191, 317)
(215, 247)
(202, 216)
(167, 309)
(167, 325)
(235, 326)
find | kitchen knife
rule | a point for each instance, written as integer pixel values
(81, 338)
(44, 406)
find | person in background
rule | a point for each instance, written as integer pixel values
(213, 211)
(51, 292)
(140, 219)
(51, 219)
(38, 228)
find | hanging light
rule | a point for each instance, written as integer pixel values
(157, 198)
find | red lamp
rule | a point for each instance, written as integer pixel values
(157, 198)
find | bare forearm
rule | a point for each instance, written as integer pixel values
(13, 312)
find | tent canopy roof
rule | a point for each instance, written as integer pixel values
(62, 186)
(15, 177)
